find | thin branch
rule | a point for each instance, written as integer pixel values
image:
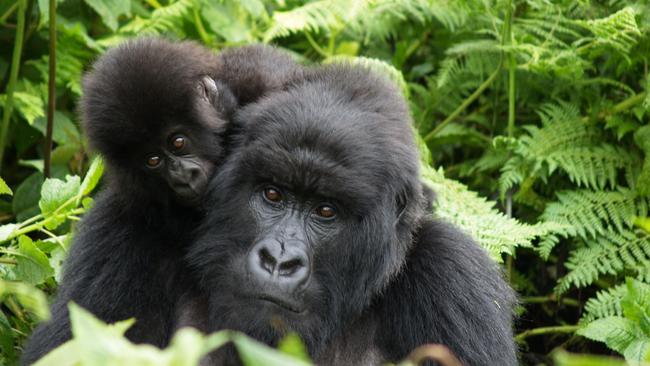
(13, 76)
(51, 93)
(546, 330)
(7, 14)
(315, 45)
(477, 93)
(550, 298)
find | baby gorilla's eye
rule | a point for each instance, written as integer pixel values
(326, 211)
(153, 161)
(178, 142)
(273, 195)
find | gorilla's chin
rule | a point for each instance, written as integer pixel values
(270, 319)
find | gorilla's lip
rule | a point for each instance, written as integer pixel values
(185, 191)
(288, 305)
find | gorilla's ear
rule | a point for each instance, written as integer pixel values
(208, 90)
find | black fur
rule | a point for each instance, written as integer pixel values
(385, 276)
(126, 258)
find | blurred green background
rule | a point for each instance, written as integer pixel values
(533, 117)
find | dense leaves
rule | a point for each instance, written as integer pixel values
(533, 118)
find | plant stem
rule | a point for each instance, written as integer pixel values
(205, 37)
(546, 330)
(13, 76)
(3, 17)
(315, 45)
(8, 261)
(629, 102)
(51, 93)
(507, 37)
(465, 103)
(154, 4)
(550, 298)
(477, 93)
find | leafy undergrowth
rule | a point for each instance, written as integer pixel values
(533, 119)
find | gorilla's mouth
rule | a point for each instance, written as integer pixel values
(283, 303)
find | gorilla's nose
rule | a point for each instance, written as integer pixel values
(284, 265)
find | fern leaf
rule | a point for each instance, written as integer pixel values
(618, 31)
(588, 214)
(615, 331)
(477, 216)
(566, 143)
(606, 303)
(163, 19)
(610, 254)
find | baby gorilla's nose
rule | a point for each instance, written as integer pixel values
(285, 266)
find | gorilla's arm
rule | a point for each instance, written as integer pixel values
(452, 293)
(117, 268)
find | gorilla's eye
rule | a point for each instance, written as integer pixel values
(153, 161)
(178, 142)
(326, 212)
(273, 195)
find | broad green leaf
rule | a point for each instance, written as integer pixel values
(292, 345)
(6, 230)
(615, 331)
(254, 7)
(28, 193)
(56, 192)
(6, 337)
(32, 265)
(29, 105)
(4, 188)
(637, 351)
(564, 358)
(64, 131)
(92, 176)
(636, 304)
(254, 353)
(64, 355)
(110, 10)
(62, 154)
(29, 296)
(44, 8)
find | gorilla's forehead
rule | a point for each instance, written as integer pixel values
(313, 170)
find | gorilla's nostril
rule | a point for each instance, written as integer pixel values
(267, 261)
(290, 267)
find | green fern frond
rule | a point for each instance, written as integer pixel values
(163, 19)
(611, 254)
(566, 142)
(313, 17)
(618, 31)
(477, 216)
(588, 214)
(606, 303)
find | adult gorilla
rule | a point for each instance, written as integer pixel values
(318, 225)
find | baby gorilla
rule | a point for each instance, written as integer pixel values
(318, 225)
(158, 112)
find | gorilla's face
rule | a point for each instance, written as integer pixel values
(304, 228)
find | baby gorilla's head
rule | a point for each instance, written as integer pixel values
(314, 213)
(155, 111)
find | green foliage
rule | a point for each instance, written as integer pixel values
(96, 343)
(628, 334)
(562, 198)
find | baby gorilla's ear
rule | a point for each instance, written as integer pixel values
(208, 89)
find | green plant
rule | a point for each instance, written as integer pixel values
(532, 116)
